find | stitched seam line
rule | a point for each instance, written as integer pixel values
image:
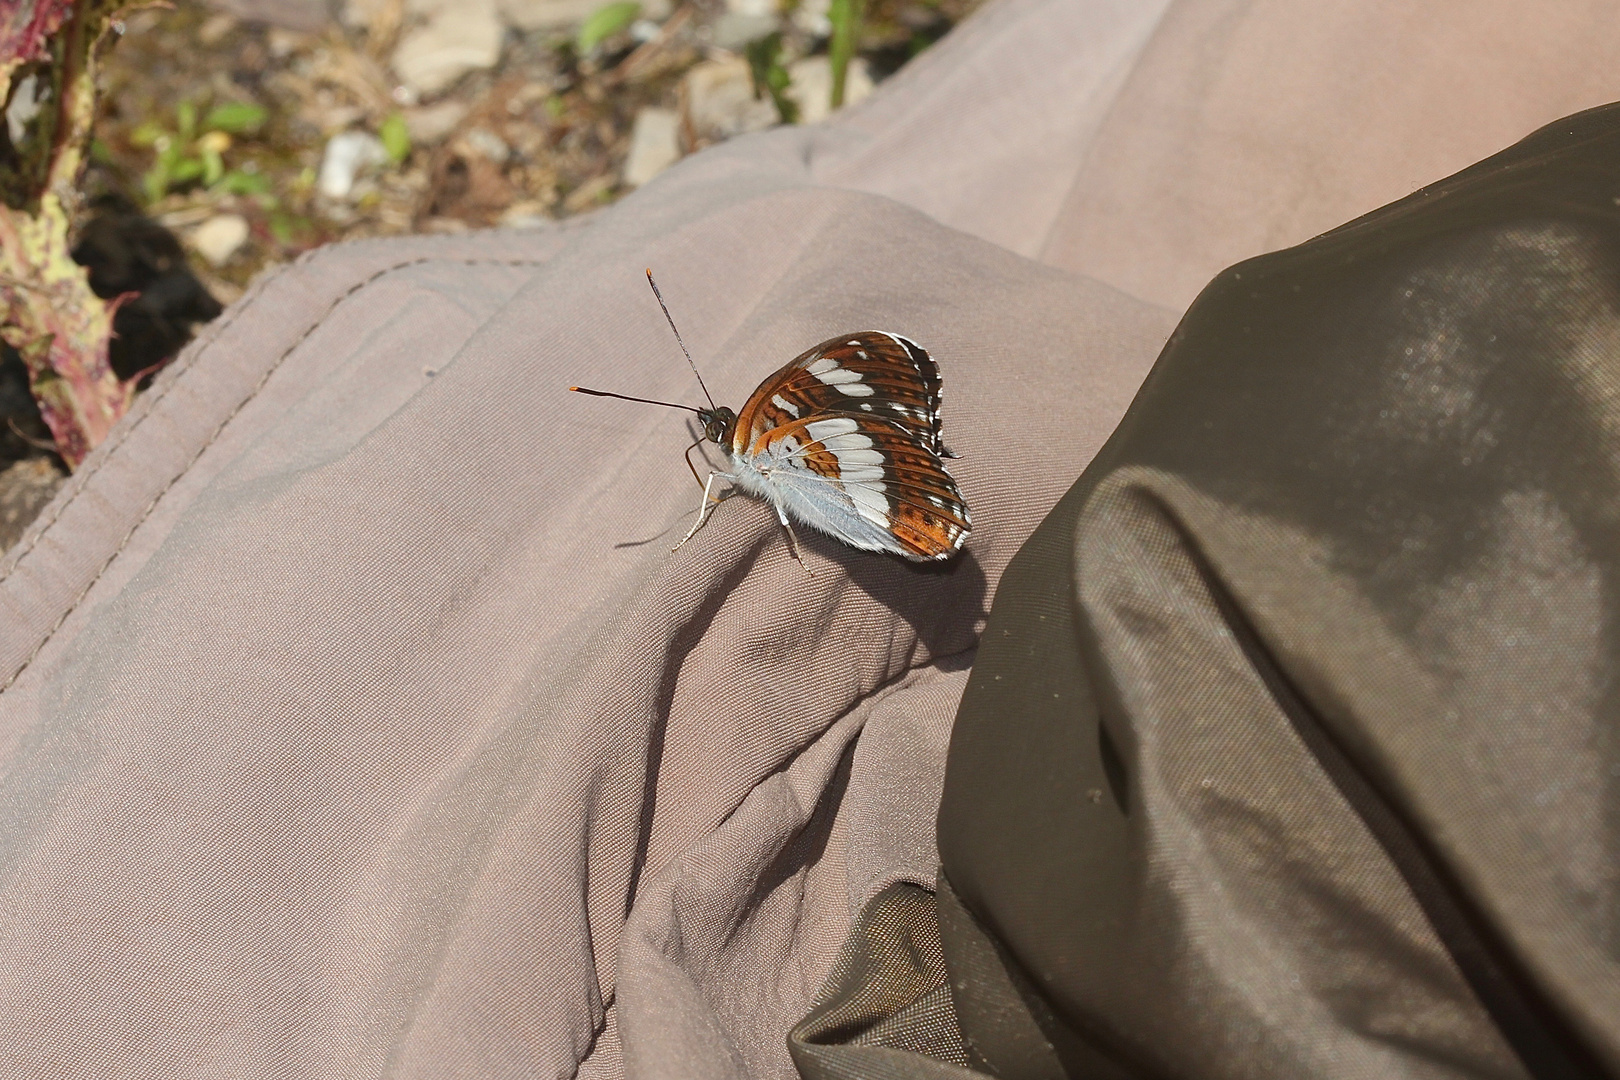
(170, 375)
(149, 401)
(275, 366)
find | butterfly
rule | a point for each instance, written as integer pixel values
(845, 439)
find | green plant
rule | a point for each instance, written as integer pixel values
(603, 23)
(246, 181)
(771, 77)
(396, 139)
(846, 17)
(194, 151)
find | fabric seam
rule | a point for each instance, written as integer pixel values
(219, 428)
(152, 398)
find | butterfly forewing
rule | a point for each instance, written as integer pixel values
(870, 373)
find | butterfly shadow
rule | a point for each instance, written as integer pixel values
(659, 535)
(945, 604)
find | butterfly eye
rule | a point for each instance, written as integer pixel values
(717, 424)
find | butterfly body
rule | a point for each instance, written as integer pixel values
(846, 439)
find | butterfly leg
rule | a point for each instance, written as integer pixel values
(792, 541)
(688, 457)
(704, 507)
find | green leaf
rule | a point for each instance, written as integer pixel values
(604, 22)
(281, 227)
(395, 138)
(213, 166)
(289, 228)
(237, 182)
(186, 115)
(236, 118)
(765, 65)
(155, 183)
(147, 134)
(186, 170)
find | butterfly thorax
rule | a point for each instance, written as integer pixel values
(718, 424)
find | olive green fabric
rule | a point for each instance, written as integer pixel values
(887, 993)
(1290, 747)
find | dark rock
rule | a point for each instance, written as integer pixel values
(23, 433)
(127, 252)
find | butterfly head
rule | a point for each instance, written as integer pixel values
(717, 424)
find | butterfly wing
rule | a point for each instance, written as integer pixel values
(871, 373)
(867, 481)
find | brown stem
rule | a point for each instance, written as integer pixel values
(67, 152)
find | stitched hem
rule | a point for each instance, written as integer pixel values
(146, 403)
(84, 477)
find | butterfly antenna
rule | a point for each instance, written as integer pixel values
(627, 397)
(678, 340)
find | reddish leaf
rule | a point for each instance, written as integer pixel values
(25, 26)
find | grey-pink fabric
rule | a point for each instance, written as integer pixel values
(356, 718)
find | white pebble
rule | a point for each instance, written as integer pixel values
(220, 237)
(345, 156)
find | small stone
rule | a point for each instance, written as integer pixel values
(345, 156)
(525, 214)
(486, 144)
(283, 42)
(654, 145)
(216, 27)
(589, 195)
(141, 22)
(720, 100)
(811, 87)
(302, 16)
(453, 40)
(735, 29)
(339, 117)
(370, 15)
(25, 105)
(220, 237)
(429, 124)
(444, 226)
(811, 16)
(531, 15)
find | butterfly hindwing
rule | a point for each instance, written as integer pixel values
(867, 481)
(870, 373)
